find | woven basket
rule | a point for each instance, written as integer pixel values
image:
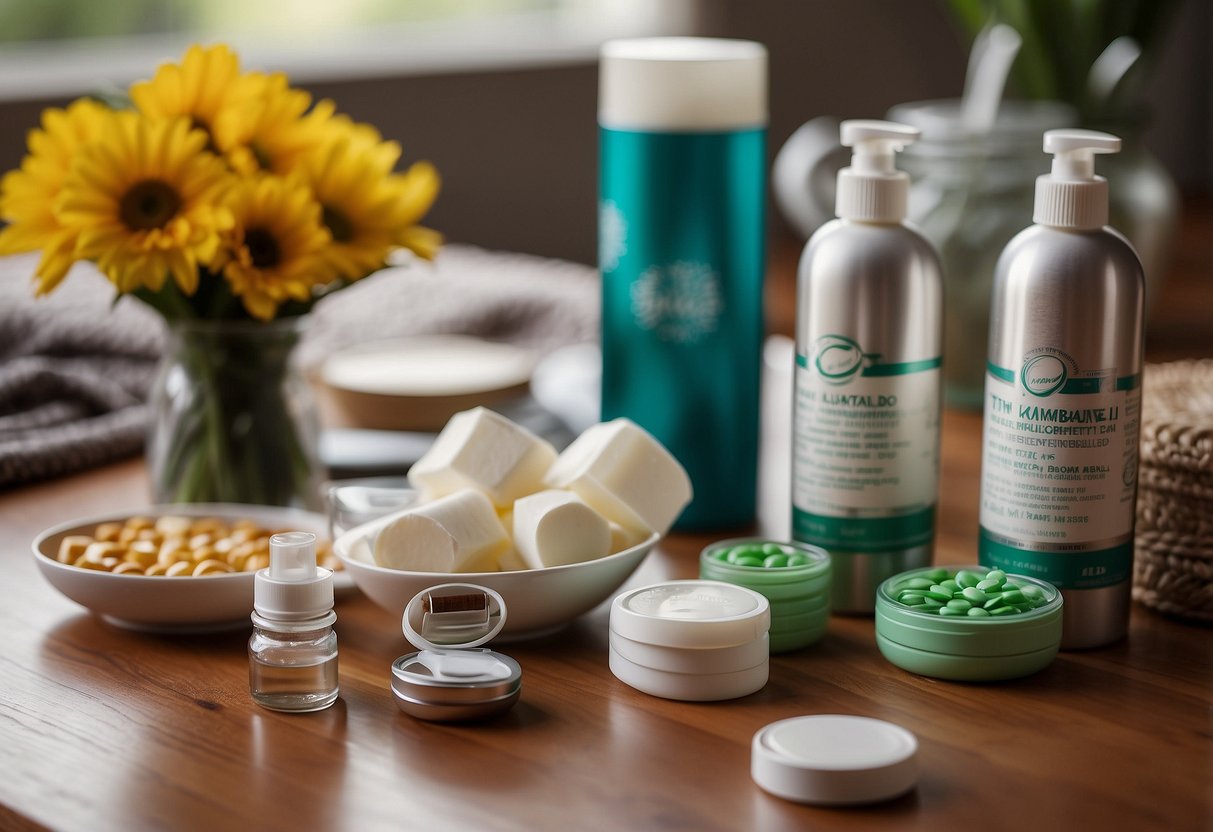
(1173, 570)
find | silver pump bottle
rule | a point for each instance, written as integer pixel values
(865, 425)
(1063, 397)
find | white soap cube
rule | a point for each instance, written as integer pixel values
(555, 528)
(622, 538)
(483, 450)
(456, 533)
(625, 474)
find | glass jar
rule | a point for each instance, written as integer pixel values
(969, 197)
(293, 664)
(232, 418)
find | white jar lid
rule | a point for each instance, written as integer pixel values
(695, 614)
(834, 760)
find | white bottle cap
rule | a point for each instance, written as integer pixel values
(692, 614)
(872, 189)
(834, 760)
(292, 587)
(677, 84)
(1071, 195)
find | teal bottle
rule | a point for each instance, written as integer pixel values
(682, 256)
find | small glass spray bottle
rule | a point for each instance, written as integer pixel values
(293, 649)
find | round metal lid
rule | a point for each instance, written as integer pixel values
(457, 684)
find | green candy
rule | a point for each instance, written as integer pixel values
(968, 593)
(748, 560)
(721, 554)
(797, 559)
(973, 595)
(775, 560)
(773, 549)
(966, 579)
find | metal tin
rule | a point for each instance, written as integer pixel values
(1072, 299)
(968, 649)
(419, 694)
(799, 595)
(869, 309)
(449, 680)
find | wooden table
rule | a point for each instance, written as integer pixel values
(104, 729)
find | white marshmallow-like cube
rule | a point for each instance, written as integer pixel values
(483, 450)
(555, 528)
(624, 474)
(456, 533)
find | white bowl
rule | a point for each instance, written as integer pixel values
(160, 604)
(538, 601)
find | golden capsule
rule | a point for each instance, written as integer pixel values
(156, 569)
(72, 547)
(173, 526)
(128, 568)
(181, 567)
(211, 567)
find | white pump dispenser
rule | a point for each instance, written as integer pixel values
(293, 587)
(865, 430)
(1071, 195)
(872, 189)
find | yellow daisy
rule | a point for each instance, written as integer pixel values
(275, 244)
(27, 195)
(205, 87)
(367, 211)
(269, 131)
(141, 200)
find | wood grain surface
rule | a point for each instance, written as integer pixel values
(105, 729)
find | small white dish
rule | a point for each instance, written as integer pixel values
(160, 604)
(540, 600)
(417, 384)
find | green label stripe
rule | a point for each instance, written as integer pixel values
(903, 368)
(864, 534)
(1073, 386)
(1066, 570)
(887, 369)
(1000, 373)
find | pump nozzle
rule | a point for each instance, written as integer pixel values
(292, 587)
(1071, 195)
(1074, 152)
(872, 189)
(293, 556)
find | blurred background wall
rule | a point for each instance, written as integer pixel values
(517, 146)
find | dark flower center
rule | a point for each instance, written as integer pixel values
(340, 227)
(149, 204)
(263, 248)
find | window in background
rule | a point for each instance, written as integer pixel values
(52, 48)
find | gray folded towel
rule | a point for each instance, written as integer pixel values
(76, 368)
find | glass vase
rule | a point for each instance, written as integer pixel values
(233, 419)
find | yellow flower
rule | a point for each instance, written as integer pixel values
(27, 195)
(141, 199)
(206, 87)
(275, 245)
(269, 131)
(368, 211)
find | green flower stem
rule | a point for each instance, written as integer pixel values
(233, 422)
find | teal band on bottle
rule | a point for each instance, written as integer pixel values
(1065, 570)
(864, 534)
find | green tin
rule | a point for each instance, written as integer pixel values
(799, 595)
(963, 648)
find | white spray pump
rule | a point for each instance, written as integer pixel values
(1071, 195)
(872, 189)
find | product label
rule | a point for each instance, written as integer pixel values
(1059, 470)
(865, 448)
